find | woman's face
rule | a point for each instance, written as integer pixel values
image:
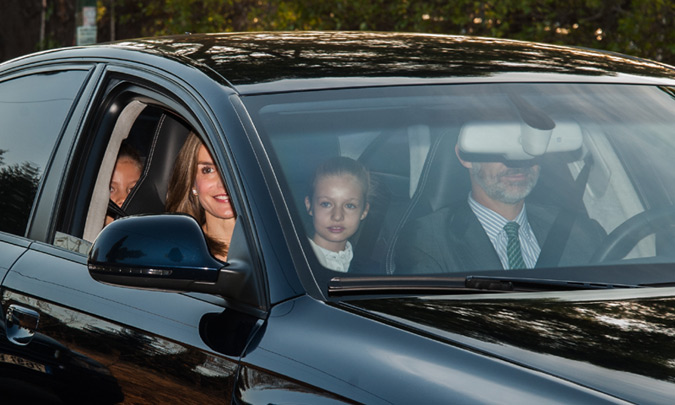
(210, 190)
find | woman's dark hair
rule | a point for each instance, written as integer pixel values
(179, 197)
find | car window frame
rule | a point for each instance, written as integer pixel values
(119, 86)
(39, 216)
(170, 92)
(98, 202)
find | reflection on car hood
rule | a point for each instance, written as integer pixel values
(617, 342)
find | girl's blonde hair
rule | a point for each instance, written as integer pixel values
(338, 166)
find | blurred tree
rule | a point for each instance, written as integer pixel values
(135, 18)
(22, 29)
(647, 30)
(638, 27)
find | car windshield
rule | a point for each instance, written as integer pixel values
(583, 170)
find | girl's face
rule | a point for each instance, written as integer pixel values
(123, 180)
(338, 206)
(210, 190)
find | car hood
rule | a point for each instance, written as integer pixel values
(619, 342)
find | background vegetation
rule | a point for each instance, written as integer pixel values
(636, 27)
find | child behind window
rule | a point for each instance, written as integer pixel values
(128, 169)
(337, 203)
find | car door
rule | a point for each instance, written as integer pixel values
(84, 341)
(35, 104)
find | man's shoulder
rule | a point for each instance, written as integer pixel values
(541, 211)
(445, 214)
(451, 221)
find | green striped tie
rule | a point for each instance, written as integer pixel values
(513, 246)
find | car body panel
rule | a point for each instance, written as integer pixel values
(174, 316)
(593, 338)
(345, 352)
(43, 369)
(142, 365)
(168, 327)
(12, 248)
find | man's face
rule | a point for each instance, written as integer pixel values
(505, 184)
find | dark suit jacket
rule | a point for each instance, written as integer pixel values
(453, 240)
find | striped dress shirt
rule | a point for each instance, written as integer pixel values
(493, 224)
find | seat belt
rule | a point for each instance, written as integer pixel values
(552, 249)
(114, 211)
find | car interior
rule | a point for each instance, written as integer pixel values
(394, 155)
(157, 135)
(409, 151)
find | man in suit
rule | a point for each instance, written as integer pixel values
(474, 235)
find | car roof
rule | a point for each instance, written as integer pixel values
(255, 62)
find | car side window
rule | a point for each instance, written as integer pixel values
(130, 145)
(133, 144)
(156, 135)
(33, 111)
(129, 136)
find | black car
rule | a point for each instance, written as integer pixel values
(409, 294)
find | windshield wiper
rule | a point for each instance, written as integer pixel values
(537, 284)
(394, 285)
(458, 285)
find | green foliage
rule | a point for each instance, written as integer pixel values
(637, 27)
(167, 17)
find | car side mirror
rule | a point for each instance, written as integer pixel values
(167, 252)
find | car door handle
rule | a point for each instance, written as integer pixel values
(21, 324)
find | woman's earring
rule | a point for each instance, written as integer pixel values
(194, 191)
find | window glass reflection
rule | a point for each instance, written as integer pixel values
(33, 110)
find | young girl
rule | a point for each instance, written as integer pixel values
(337, 202)
(128, 169)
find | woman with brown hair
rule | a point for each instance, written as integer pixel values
(197, 189)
